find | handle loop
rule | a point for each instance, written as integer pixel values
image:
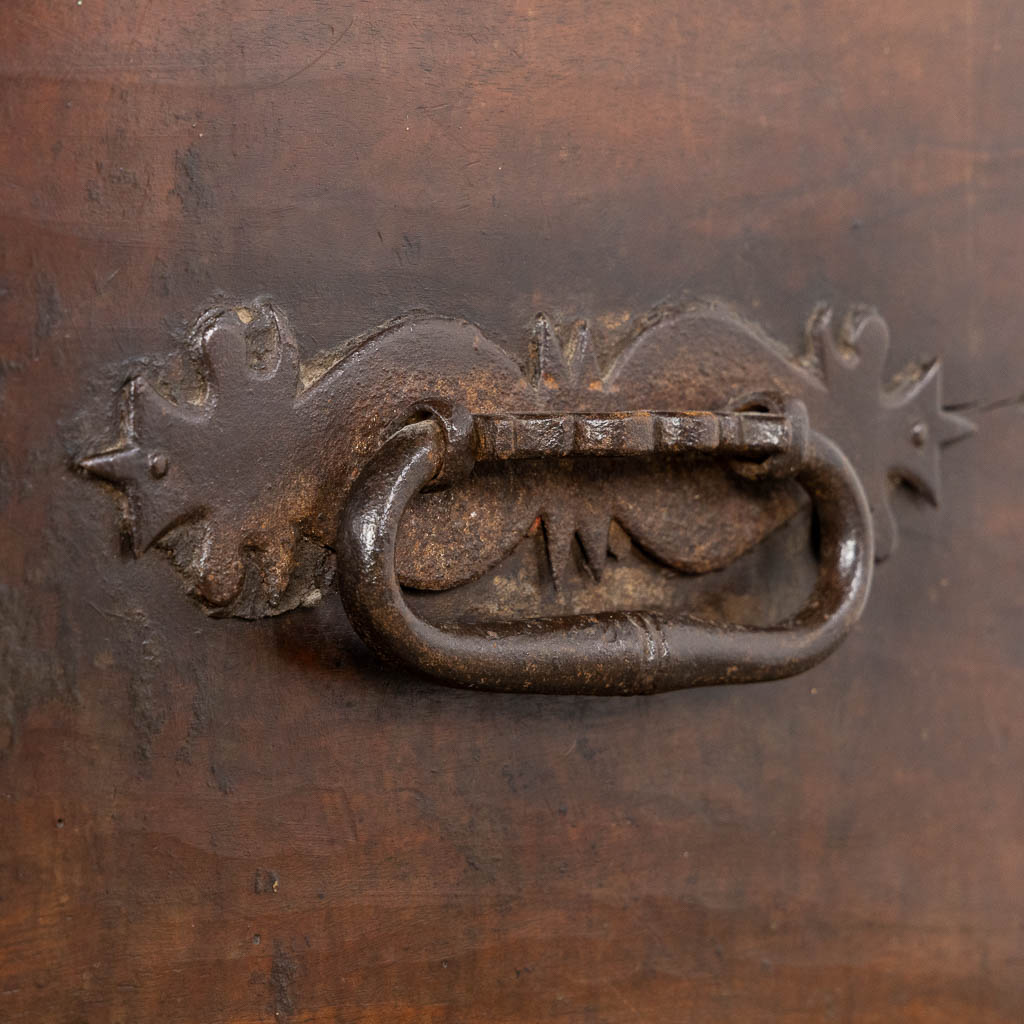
(613, 653)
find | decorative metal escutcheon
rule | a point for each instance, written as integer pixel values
(418, 457)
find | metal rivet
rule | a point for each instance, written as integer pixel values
(158, 465)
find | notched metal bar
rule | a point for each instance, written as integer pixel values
(536, 436)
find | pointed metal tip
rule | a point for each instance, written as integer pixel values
(94, 465)
(593, 539)
(956, 428)
(116, 467)
(932, 495)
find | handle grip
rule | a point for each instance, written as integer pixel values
(613, 653)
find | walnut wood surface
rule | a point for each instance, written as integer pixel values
(223, 821)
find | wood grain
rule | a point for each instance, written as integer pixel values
(222, 821)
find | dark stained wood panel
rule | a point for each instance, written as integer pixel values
(223, 821)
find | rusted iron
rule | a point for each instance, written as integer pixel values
(613, 653)
(237, 464)
(497, 438)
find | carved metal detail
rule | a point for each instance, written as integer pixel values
(238, 464)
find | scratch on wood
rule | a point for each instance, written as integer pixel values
(49, 311)
(316, 60)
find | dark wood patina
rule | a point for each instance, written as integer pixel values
(256, 820)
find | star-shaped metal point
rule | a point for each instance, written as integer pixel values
(210, 462)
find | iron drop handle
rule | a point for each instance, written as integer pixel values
(613, 653)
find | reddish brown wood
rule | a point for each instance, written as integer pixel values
(846, 845)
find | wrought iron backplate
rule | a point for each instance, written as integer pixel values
(238, 465)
